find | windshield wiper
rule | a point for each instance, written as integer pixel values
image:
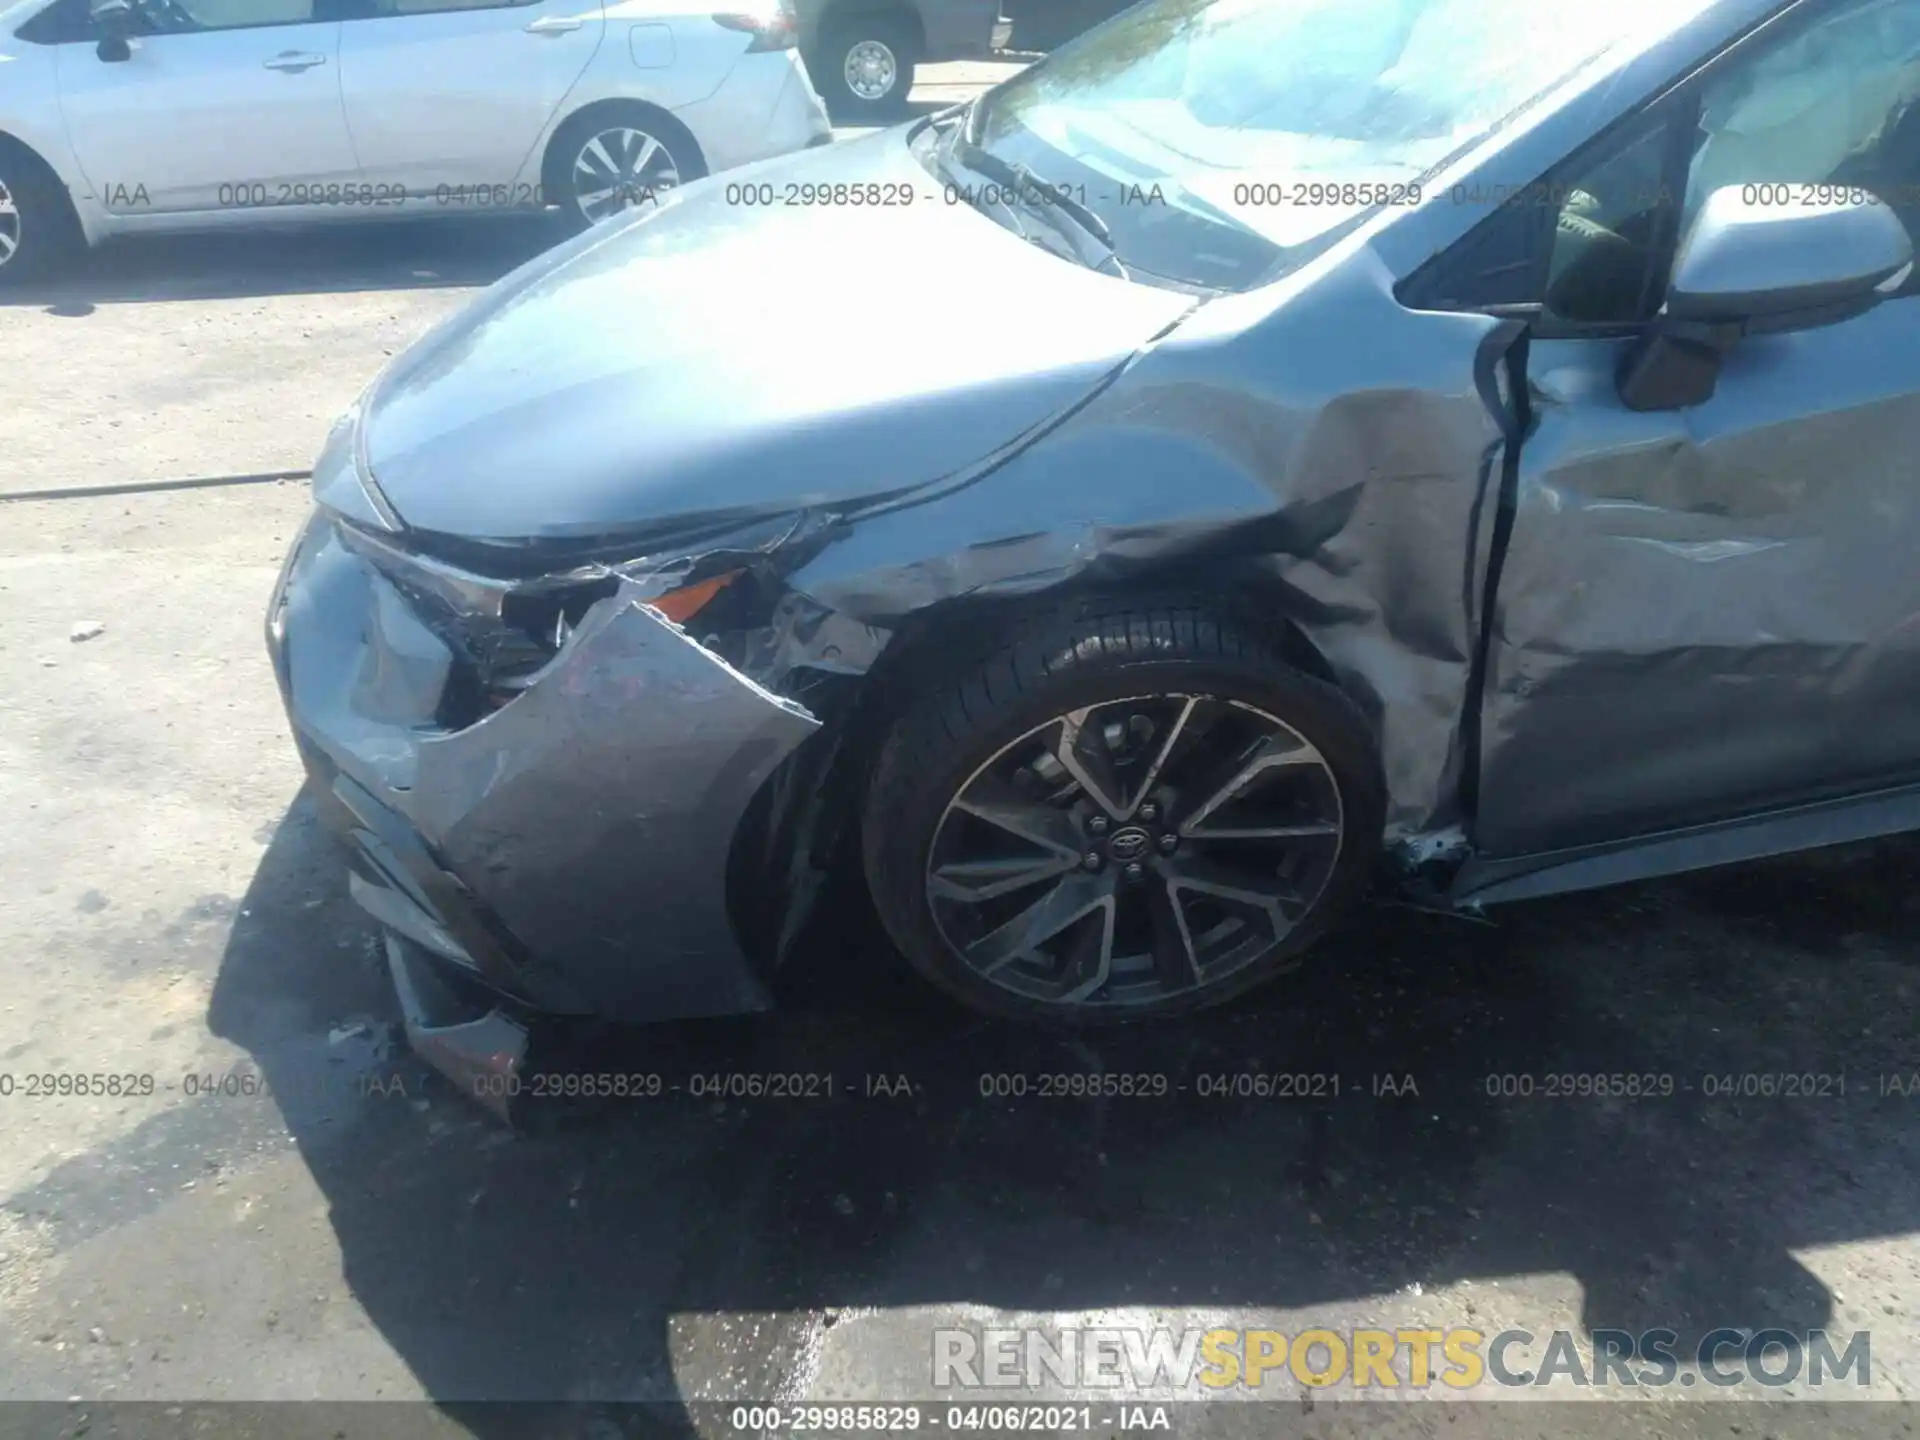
(1088, 232)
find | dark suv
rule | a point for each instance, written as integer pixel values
(861, 53)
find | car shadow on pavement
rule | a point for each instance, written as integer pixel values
(432, 252)
(679, 1248)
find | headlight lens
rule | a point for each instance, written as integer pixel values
(505, 632)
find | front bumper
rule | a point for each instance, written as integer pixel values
(569, 851)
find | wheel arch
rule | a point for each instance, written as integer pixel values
(83, 212)
(926, 636)
(37, 155)
(807, 815)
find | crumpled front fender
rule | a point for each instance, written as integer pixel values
(1316, 445)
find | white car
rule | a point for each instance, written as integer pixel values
(118, 116)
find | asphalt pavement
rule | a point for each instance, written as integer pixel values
(257, 1194)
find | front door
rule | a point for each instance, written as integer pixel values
(1714, 611)
(221, 104)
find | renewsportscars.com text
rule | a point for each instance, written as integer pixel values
(1202, 1362)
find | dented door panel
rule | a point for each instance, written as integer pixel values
(1709, 612)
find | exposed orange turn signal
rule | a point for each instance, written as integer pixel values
(683, 604)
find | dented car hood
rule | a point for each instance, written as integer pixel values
(721, 355)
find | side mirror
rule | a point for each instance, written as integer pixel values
(1746, 267)
(114, 22)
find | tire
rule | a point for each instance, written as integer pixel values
(1233, 719)
(874, 43)
(655, 152)
(38, 231)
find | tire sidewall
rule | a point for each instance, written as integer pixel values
(896, 868)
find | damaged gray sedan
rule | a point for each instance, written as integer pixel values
(1466, 442)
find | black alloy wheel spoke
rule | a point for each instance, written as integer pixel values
(1234, 777)
(1082, 750)
(999, 804)
(1156, 767)
(1174, 961)
(1237, 888)
(976, 880)
(1134, 850)
(1088, 958)
(1066, 902)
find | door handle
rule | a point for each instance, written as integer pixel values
(294, 61)
(554, 25)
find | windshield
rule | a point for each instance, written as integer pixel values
(1221, 140)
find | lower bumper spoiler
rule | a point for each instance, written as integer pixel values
(482, 1050)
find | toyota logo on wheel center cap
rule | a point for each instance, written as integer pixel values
(1129, 844)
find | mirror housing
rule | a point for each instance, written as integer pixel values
(114, 22)
(1747, 268)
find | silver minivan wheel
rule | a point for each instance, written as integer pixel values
(871, 70)
(864, 64)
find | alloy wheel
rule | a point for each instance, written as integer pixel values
(620, 169)
(10, 232)
(1135, 850)
(871, 70)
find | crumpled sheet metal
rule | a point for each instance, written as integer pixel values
(1341, 449)
(598, 836)
(802, 634)
(1707, 607)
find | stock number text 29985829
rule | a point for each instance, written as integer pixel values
(265, 195)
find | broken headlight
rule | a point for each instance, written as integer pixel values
(536, 622)
(505, 633)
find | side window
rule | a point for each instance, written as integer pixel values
(63, 24)
(382, 9)
(1823, 102)
(1818, 107)
(239, 14)
(192, 17)
(1584, 243)
(1613, 219)
(1826, 104)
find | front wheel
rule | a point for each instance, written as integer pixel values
(1123, 814)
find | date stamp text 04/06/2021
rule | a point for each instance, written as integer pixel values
(997, 1087)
